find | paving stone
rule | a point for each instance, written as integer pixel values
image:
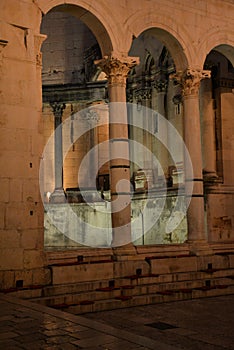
(200, 324)
(98, 340)
(121, 344)
(8, 335)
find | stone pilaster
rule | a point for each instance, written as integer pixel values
(116, 69)
(190, 81)
(58, 195)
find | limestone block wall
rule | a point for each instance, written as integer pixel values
(21, 140)
(63, 50)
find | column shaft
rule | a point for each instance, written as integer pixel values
(58, 195)
(116, 70)
(190, 81)
(192, 137)
(208, 130)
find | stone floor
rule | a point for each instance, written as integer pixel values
(195, 324)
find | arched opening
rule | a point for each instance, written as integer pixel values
(217, 101)
(72, 88)
(157, 171)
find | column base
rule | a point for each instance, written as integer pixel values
(58, 196)
(209, 175)
(200, 248)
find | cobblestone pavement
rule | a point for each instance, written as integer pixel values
(195, 324)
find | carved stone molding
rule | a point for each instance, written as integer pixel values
(3, 44)
(190, 80)
(117, 68)
(38, 40)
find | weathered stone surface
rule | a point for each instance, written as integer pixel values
(163, 266)
(137, 29)
(83, 272)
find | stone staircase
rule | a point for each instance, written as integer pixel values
(94, 285)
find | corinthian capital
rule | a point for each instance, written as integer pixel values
(190, 80)
(117, 68)
(58, 108)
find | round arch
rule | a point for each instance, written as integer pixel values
(97, 19)
(166, 32)
(219, 40)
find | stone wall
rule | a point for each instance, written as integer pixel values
(21, 141)
(190, 33)
(65, 50)
(89, 224)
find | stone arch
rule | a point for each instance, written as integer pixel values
(219, 40)
(167, 33)
(97, 19)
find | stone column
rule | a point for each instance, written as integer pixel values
(58, 195)
(190, 80)
(161, 87)
(116, 69)
(208, 132)
(92, 117)
(143, 100)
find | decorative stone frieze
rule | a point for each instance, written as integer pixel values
(117, 68)
(190, 80)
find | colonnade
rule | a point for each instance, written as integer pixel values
(116, 70)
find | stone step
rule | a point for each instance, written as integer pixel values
(25, 292)
(73, 273)
(134, 280)
(32, 292)
(70, 256)
(159, 265)
(105, 293)
(83, 271)
(147, 299)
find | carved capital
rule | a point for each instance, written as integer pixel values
(38, 40)
(117, 68)
(160, 85)
(143, 94)
(58, 108)
(190, 80)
